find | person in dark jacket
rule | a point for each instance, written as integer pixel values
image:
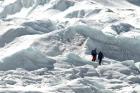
(100, 57)
(94, 54)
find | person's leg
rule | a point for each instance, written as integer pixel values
(94, 58)
(99, 61)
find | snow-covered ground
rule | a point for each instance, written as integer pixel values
(45, 46)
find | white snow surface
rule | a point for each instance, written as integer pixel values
(45, 46)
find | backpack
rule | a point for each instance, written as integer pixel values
(93, 52)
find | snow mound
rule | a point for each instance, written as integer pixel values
(76, 60)
(11, 34)
(121, 27)
(82, 13)
(82, 85)
(27, 28)
(41, 26)
(60, 42)
(117, 70)
(118, 28)
(61, 4)
(18, 5)
(29, 59)
(81, 72)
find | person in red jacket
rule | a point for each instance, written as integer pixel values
(94, 54)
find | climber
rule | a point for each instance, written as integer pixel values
(94, 54)
(100, 57)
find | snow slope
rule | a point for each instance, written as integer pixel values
(45, 46)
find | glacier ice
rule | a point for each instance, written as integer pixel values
(45, 46)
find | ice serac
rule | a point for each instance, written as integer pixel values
(27, 28)
(18, 5)
(24, 56)
(30, 5)
(62, 4)
(29, 59)
(119, 47)
(74, 39)
(116, 47)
